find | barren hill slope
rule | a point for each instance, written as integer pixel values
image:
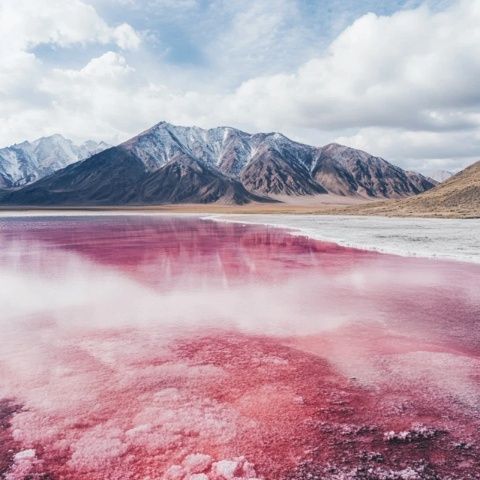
(459, 196)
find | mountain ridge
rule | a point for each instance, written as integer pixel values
(26, 162)
(225, 164)
(457, 197)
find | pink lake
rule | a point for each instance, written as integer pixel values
(175, 348)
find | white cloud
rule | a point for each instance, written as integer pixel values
(415, 70)
(59, 22)
(403, 86)
(426, 151)
(110, 65)
(26, 106)
(94, 98)
(126, 37)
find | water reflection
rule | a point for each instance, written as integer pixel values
(130, 343)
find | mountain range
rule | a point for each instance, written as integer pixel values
(173, 164)
(457, 197)
(26, 162)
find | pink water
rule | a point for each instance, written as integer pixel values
(178, 348)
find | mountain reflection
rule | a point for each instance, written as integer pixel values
(157, 250)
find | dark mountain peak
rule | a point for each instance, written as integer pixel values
(185, 179)
(348, 171)
(272, 173)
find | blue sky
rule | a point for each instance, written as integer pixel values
(185, 29)
(392, 77)
(187, 33)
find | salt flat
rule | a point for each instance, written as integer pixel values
(455, 239)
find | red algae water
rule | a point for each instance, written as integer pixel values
(184, 349)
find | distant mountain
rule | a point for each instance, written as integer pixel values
(459, 196)
(231, 151)
(441, 175)
(171, 164)
(347, 171)
(117, 177)
(26, 162)
(272, 164)
(185, 179)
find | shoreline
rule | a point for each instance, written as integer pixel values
(293, 226)
(434, 238)
(372, 209)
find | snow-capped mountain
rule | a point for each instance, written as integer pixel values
(272, 164)
(172, 164)
(26, 162)
(226, 148)
(441, 175)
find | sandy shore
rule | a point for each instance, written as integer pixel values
(368, 209)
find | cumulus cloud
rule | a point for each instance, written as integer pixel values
(26, 104)
(415, 69)
(126, 37)
(60, 22)
(110, 65)
(403, 86)
(423, 150)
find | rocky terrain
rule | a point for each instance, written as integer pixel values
(459, 196)
(347, 171)
(171, 164)
(117, 177)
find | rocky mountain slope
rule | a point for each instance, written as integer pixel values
(117, 177)
(347, 171)
(272, 173)
(26, 162)
(459, 196)
(188, 164)
(272, 164)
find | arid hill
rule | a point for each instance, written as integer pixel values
(459, 197)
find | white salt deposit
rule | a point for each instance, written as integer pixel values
(455, 239)
(25, 455)
(199, 466)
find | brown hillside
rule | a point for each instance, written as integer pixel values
(459, 196)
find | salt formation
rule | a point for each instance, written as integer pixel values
(200, 466)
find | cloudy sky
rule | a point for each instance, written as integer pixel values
(397, 78)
